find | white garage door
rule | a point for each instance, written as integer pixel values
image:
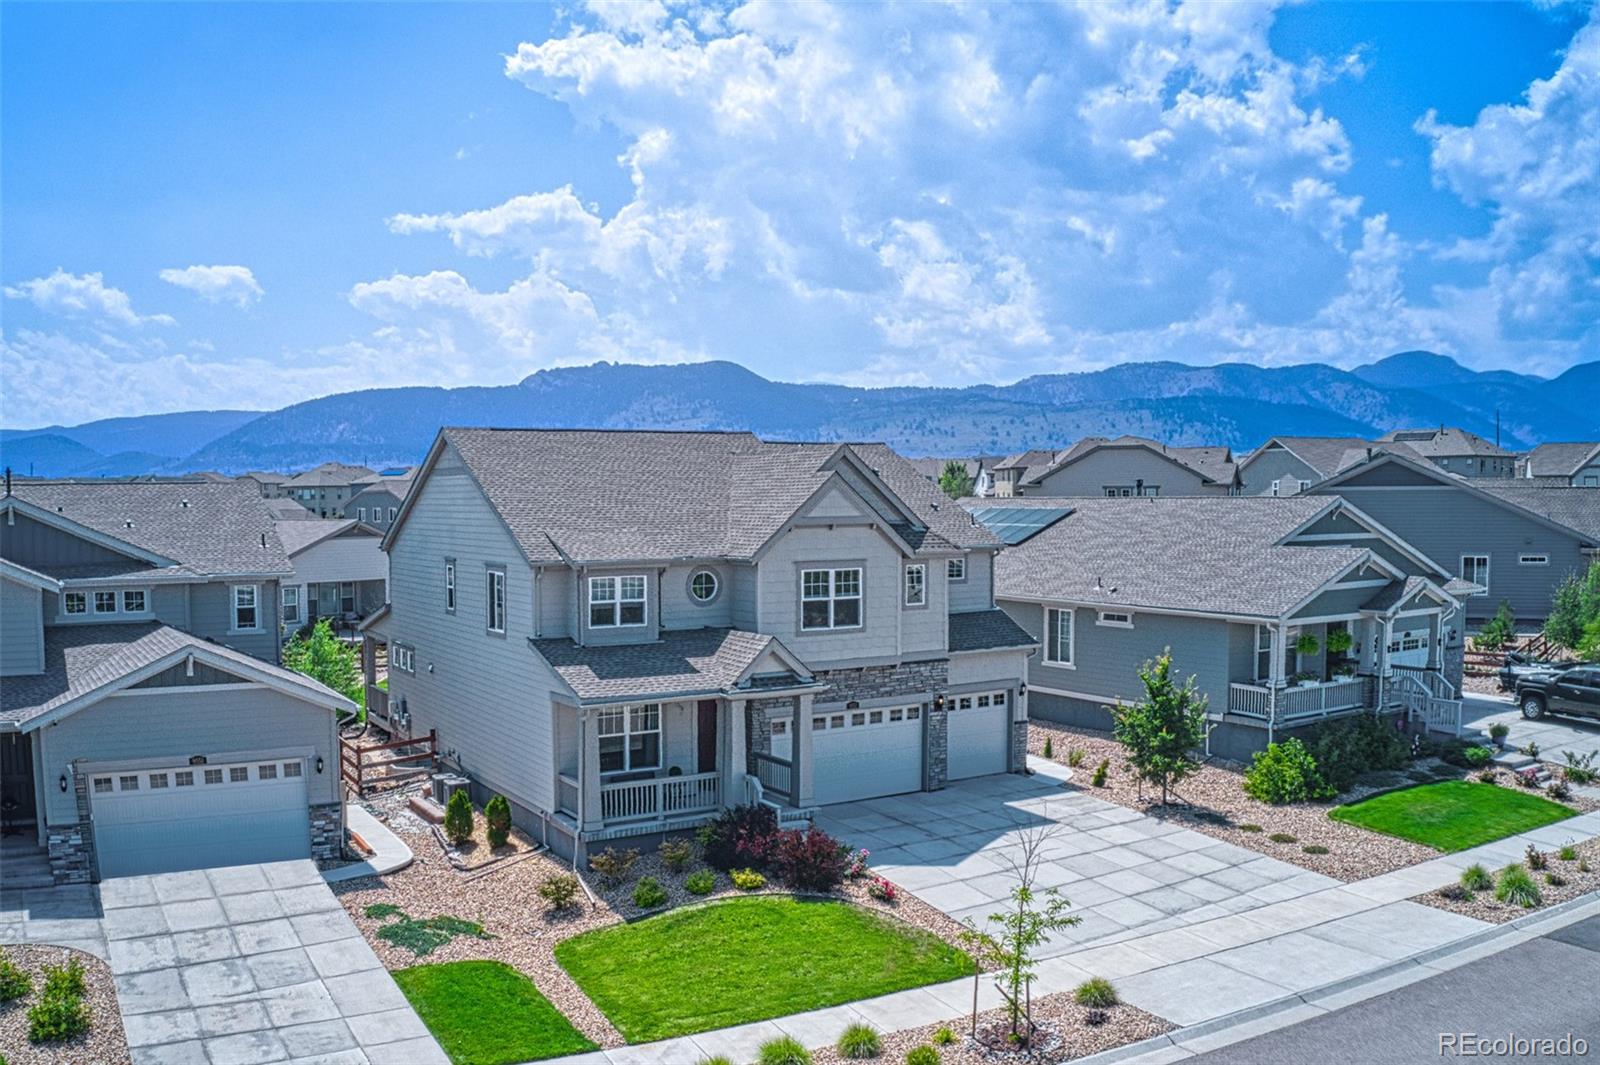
(196, 817)
(978, 735)
(862, 754)
(1409, 648)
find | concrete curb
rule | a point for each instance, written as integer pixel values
(389, 851)
(1292, 1009)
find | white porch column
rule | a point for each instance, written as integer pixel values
(801, 748)
(589, 769)
(734, 760)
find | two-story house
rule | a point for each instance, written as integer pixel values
(1132, 466)
(1565, 465)
(624, 632)
(1454, 451)
(338, 571)
(145, 723)
(378, 502)
(1289, 465)
(326, 489)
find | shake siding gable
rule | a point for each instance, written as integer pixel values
(977, 591)
(680, 610)
(21, 629)
(487, 695)
(779, 593)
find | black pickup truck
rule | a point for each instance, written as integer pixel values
(1571, 689)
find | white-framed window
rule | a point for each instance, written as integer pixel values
(1058, 637)
(291, 604)
(956, 569)
(74, 603)
(1304, 485)
(238, 774)
(347, 597)
(1533, 560)
(450, 585)
(830, 598)
(105, 602)
(917, 585)
(495, 604)
(291, 769)
(392, 512)
(1475, 568)
(1116, 619)
(361, 513)
(703, 586)
(269, 771)
(403, 657)
(616, 602)
(1277, 487)
(630, 738)
(134, 601)
(246, 608)
(1263, 652)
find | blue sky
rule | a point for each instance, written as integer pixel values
(247, 205)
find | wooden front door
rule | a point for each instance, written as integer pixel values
(706, 736)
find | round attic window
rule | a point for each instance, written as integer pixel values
(703, 586)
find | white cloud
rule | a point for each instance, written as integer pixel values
(217, 284)
(82, 296)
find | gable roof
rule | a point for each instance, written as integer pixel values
(575, 495)
(83, 662)
(331, 473)
(987, 630)
(1561, 460)
(32, 578)
(1445, 442)
(208, 528)
(682, 663)
(1213, 465)
(298, 535)
(1023, 460)
(1182, 554)
(1324, 454)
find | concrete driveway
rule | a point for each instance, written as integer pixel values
(1554, 733)
(1125, 874)
(235, 966)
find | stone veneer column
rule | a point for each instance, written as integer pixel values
(71, 848)
(327, 832)
(936, 725)
(1019, 734)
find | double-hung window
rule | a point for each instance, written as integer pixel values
(630, 738)
(956, 569)
(830, 598)
(347, 597)
(616, 602)
(246, 608)
(495, 603)
(1475, 568)
(291, 604)
(1058, 637)
(105, 602)
(917, 585)
(1263, 652)
(74, 603)
(450, 585)
(133, 601)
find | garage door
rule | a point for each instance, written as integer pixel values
(195, 817)
(1410, 648)
(978, 735)
(862, 754)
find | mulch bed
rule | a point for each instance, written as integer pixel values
(1485, 907)
(1213, 801)
(506, 902)
(1122, 1024)
(103, 1044)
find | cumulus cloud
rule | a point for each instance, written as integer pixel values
(82, 296)
(217, 284)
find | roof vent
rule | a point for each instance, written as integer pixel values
(128, 524)
(184, 503)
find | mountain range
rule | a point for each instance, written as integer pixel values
(1231, 403)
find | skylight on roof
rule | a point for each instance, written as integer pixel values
(1016, 524)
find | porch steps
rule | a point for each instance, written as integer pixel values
(1517, 762)
(24, 865)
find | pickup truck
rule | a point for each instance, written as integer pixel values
(1572, 689)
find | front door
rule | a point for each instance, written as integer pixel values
(706, 736)
(16, 781)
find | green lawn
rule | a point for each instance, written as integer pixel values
(487, 1013)
(742, 960)
(1452, 815)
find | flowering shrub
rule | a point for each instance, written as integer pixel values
(808, 859)
(882, 890)
(748, 880)
(855, 866)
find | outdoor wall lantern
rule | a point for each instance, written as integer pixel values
(319, 763)
(938, 702)
(63, 782)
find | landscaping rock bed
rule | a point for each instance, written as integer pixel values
(1123, 1024)
(1485, 907)
(103, 1044)
(505, 900)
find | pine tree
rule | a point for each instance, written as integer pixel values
(954, 480)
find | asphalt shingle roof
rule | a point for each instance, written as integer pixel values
(1561, 460)
(208, 528)
(299, 535)
(1444, 442)
(1184, 553)
(986, 630)
(1576, 508)
(1213, 463)
(1325, 454)
(685, 662)
(331, 473)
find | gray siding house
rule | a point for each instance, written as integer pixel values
(378, 502)
(1248, 594)
(1515, 542)
(1572, 465)
(1455, 451)
(1289, 465)
(326, 489)
(1132, 466)
(624, 632)
(338, 572)
(145, 724)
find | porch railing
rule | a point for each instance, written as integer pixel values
(776, 774)
(1317, 700)
(1431, 679)
(661, 797)
(568, 797)
(1410, 693)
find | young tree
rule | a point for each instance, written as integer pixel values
(324, 657)
(1498, 630)
(954, 479)
(1162, 732)
(1564, 626)
(1021, 930)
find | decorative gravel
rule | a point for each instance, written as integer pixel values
(1123, 1024)
(1485, 907)
(506, 902)
(103, 1044)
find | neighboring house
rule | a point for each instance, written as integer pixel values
(1516, 542)
(289, 510)
(624, 632)
(340, 573)
(270, 485)
(1009, 472)
(1230, 586)
(144, 723)
(978, 469)
(1456, 451)
(1289, 465)
(378, 502)
(1133, 466)
(325, 489)
(1574, 465)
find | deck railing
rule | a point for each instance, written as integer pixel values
(378, 704)
(776, 775)
(1315, 700)
(1431, 679)
(660, 797)
(568, 797)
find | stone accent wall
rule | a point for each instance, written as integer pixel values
(936, 720)
(72, 848)
(1019, 746)
(926, 679)
(1452, 664)
(327, 833)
